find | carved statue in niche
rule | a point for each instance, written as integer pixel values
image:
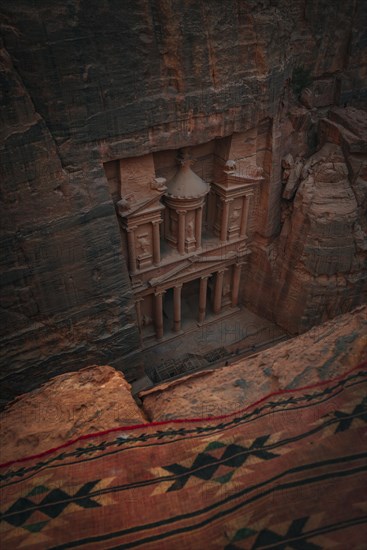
(146, 320)
(143, 243)
(235, 217)
(190, 229)
(226, 289)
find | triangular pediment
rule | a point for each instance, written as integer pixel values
(126, 209)
(198, 264)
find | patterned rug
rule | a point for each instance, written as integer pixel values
(286, 472)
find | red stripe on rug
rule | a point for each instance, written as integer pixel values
(182, 420)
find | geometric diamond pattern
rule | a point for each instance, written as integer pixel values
(35, 527)
(205, 465)
(315, 470)
(293, 538)
(52, 505)
(360, 411)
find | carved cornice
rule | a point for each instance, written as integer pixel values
(205, 261)
(141, 207)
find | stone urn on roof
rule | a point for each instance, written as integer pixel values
(184, 201)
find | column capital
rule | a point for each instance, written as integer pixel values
(156, 222)
(159, 292)
(181, 212)
(131, 229)
(177, 285)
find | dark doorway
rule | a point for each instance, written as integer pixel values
(168, 310)
(190, 302)
(210, 294)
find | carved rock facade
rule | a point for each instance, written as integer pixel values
(186, 239)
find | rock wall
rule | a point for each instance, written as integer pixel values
(85, 83)
(315, 268)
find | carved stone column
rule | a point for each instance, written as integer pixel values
(225, 219)
(166, 225)
(202, 298)
(244, 216)
(181, 231)
(218, 289)
(158, 314)
(131, 249)
(177, 308)
(156, 243)
(198, 226)
(236, 283)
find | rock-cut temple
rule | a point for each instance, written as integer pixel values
(186, 236)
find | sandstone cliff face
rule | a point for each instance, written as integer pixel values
(316, 268)
(86, 83)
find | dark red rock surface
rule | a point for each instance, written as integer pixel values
(84, 83)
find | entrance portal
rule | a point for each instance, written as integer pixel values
(189, 304)
(210, 295)
(168, 311)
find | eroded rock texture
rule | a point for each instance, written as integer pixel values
(98, 398)
(94, 399)
(84, 83)
(322, 353)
